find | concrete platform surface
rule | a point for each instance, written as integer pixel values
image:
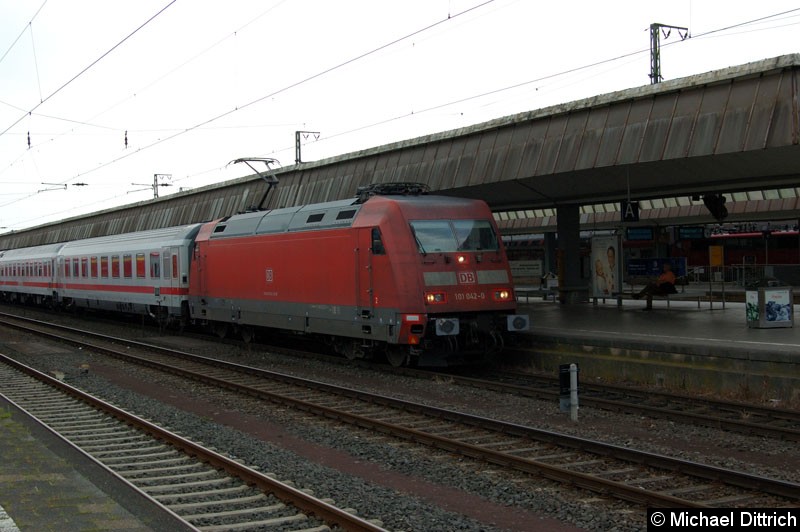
(706, 350)
(682, 324)
(45, 486)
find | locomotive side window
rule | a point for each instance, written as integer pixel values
(155, 266)
(377, 242)
(127, 266)
(115, 266)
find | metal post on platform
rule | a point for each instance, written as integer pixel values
(573, 392)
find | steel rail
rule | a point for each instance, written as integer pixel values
(604, 400)
(742, 480)
(297, 498)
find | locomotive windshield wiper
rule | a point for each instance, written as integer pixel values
(419, 243)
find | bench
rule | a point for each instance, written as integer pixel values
(679, 296)
(544, 293)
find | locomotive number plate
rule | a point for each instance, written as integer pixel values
(470, 296)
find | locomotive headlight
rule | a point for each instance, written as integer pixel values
(502, 294)
(434, 298)
(462, 259)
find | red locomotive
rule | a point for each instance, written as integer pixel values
(421, 278)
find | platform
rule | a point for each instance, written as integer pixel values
(45, 485)
(706, 350)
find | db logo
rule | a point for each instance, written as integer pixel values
(466, 278)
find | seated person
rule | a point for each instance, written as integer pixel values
(665, 284)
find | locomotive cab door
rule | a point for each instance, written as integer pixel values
(364, 274)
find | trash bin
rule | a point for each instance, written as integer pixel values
(769, 306)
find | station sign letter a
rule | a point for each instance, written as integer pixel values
(630, 211)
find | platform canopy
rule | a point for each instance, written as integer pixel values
(729, 130)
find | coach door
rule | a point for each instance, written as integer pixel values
(170, 260)
(364, 273)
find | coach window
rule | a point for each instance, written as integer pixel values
(93, 266)
(140, 266)
(166, 263)
(155, 266)
(174, 266)
(65, 266)
(76, 267)
(377, 242)
(104, 266)
(115, 266)
(127, 266)
(85, 267)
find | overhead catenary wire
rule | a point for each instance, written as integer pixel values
(21, 33)
(88, 67)
(281, 90)
(205, 123)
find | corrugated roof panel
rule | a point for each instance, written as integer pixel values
(736, 117)
(466, 160)
(486, 143)
(612, 135)
(516, 150)
(498, 155)
(592, 135)
(532, 149)
(786, 116)
(709, 120)
(450, 168)
(573, 138)
(680, 131)
(762, 112)
(635, 127)
(658, 125)
(442, 166)
(552, 144)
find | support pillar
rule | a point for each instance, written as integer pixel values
(550, 246)
(571, 287)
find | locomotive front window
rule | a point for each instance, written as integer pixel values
(454, 235)
(475, 235)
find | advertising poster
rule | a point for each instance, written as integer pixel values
(605, 266)
(778, 306)
(751, 305)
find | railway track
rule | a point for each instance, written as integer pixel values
(732, 416)
(636, 476)
(200, 488)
